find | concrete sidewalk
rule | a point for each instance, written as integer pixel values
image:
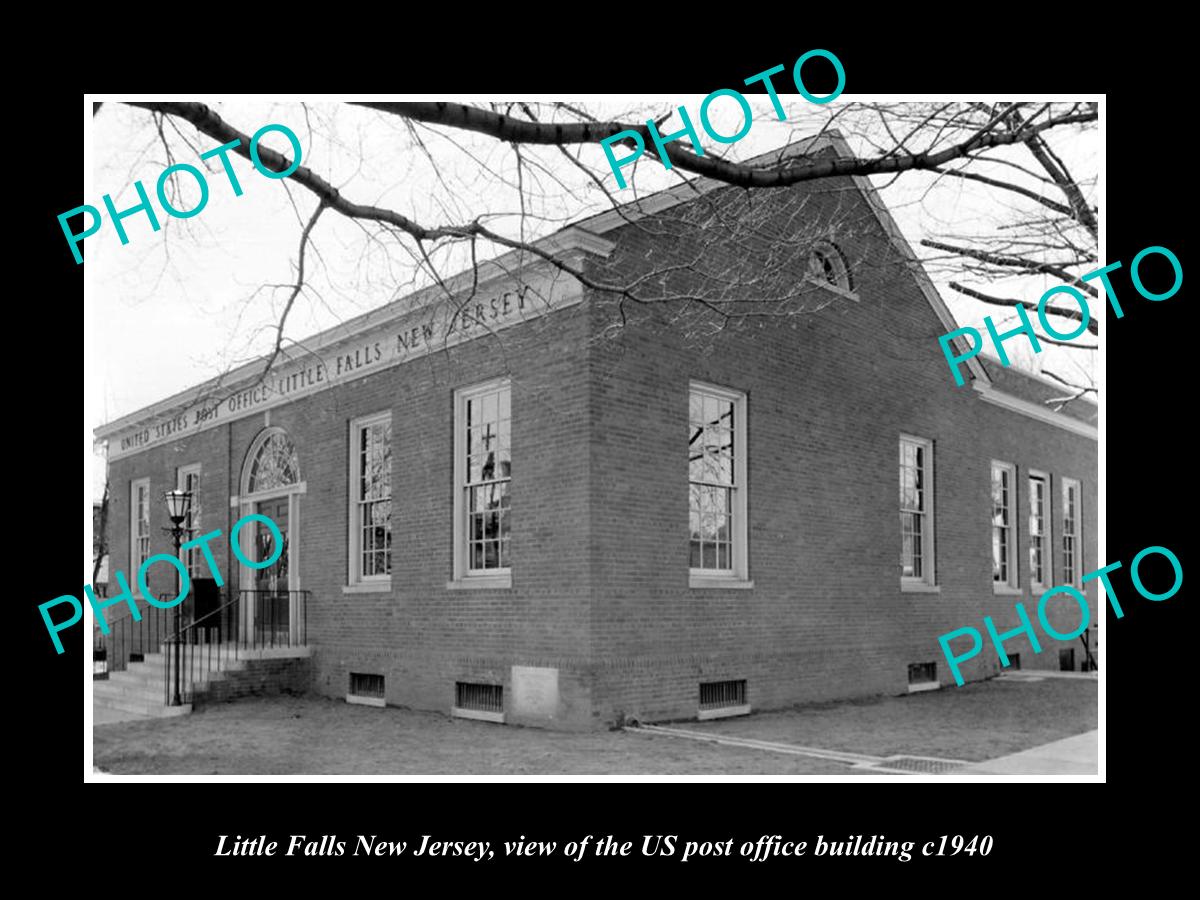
(1078, 755)
(103, 716)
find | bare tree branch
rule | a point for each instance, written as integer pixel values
(1075, 314)
(1006, 186)
(765, 237)
(296, 288)
(100, 538)
(508, 128)
(1018, 262)
(1044, 155)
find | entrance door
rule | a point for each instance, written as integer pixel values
(272, 606)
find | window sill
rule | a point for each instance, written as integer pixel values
(833, 288)
(919, 587)
(723, 712)
(922, 686)
(477, 714)
(715, 581)
(368, 587)
(481, 582)
(1006, 590)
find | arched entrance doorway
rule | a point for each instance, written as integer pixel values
(271, 486)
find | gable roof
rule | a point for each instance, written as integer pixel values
(803, 148)
(1037, 389)
(585, 235)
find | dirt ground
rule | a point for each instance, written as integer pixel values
(312, 735)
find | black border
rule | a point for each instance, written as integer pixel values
(1148, 437)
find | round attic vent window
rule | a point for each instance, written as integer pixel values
(826, 264)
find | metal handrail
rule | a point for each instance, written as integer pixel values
(191, 625)
(127, 638)
(1090, 662)
(191, 655)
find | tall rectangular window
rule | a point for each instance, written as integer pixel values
(1004, 557)
(483, 472)
(139, 526)
(717, 483)
(916, 511)
(1070, 532)
(1039, 533)
(371, 499)
(188, 479)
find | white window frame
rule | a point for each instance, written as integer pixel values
(464, 577)
(1047, 530)
(181, 477)
(355, 581)
(926, 582)
(738, 576)
(1012, 584)
(135, 563)
(1076, 579)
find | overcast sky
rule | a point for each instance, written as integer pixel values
(176, 307)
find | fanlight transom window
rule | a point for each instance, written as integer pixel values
(275, 465)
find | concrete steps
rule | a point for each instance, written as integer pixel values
(140, 688)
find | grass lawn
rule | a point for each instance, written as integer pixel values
(318, 736)
(978, 721)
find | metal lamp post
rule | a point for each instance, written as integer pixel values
(179, 505)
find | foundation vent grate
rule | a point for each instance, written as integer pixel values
(722, 694)
(363, 684)
(479, 697)
(922, 673)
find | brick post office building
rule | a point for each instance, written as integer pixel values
(490, 507)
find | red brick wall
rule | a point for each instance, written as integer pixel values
(161, 466)
(421, 636)
(829, 392)
(600, 578)
(261, 677)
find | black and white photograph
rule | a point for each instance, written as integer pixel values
(754, 433)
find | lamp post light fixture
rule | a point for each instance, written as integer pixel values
(179, 506)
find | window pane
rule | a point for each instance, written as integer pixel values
(373, 479)
(712, 478)
(914, 506)
(488, 473)
(1037, 528)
